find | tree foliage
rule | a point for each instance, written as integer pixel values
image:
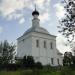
(67, 27)
(67, 61)
(6, 52)
(28, 62)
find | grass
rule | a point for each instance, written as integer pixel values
(33, 72)
(10, 73)
(29, 72)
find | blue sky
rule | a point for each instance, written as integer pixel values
(16, 18)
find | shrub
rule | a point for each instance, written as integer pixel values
(38, 65)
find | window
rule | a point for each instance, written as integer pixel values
(37, 43)
(52, 61)
(23, 40)
(44, 44)
(58, 61)
(51, 45)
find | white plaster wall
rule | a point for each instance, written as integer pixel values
(44, 55)
(60, 60)
(24, 47)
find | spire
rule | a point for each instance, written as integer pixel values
(35, 21)
(35, 7)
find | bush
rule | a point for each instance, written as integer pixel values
(9, 66)
(38, 65)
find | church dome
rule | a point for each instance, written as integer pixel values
(35, 12)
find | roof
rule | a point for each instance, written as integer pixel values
(59, 53)
(38, 30)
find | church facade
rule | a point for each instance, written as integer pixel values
(37, 42)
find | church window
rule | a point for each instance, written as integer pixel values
(44, 44)
(51, 45)
(52, 61)
(58, 61)
(37, 43)
(23, 40)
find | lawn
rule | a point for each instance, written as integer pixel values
(35, 72)
(29, 72)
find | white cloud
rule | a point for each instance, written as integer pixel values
(61, 44)
(59, 10)
(39, 3)
(8, 8)
(44, 17)
(42, 4)
(21, 21)
(1, 29)
(14, 16)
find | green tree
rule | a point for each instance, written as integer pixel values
(24, 61)
(67, 27)
(30, 62)
(73, 61)
(7, 52)
(0, 52)
(67, 61)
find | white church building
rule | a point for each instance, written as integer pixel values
(39, 43)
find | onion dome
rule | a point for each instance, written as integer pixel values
(35, 12)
